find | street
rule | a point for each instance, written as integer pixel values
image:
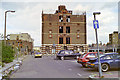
(47, 67)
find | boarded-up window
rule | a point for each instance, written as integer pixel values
(67, 40)
(61, 29)
(61, 40)
(67, 29)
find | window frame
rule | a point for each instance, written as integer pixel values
(60, 41)
(68, 29)
(67, 42)
(60, 29)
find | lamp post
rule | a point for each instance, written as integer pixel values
(5, 24)
(100, 71)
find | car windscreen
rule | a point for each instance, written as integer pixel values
(100, 54)
(116, 56)
(37, 53)
(66, 52)
(83, 55)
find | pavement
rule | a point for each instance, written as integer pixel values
(47, 67)
(11, 64)
(14, 61)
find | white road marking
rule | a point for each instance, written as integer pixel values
(79, 74)
(74, 61)
(69, 69)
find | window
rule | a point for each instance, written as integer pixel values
(61, 40)
(117, 56)
(108, 57)
(50, 31)
(50, 23)
(68, 19)
(71, 52)
(50, 36)
(13, 43)
(60, 18)
(65, 52)
(67, 40)
(67, 29)
(61, 29)
(91, 55)
(65, 48)
(47, 49)
(78, 36)
(78, 32)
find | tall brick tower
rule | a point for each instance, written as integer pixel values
(65, 30)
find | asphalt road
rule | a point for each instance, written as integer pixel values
(47, 67)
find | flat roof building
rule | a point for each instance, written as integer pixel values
(113, 39)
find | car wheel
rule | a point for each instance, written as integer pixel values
(105, 67)
(62, 58)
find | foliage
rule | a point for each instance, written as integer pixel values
(7, 53)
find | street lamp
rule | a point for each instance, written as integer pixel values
(100, 71)
(5, 24)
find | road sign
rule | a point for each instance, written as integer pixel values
(54, 45)
(95, 24)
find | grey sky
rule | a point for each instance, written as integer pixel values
(27, 17)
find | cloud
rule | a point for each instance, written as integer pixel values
(108, 20)
(59, 1)
(28, 18)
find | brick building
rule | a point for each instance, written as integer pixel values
(119, 42)
(22, 40)
(65, 30)
(113, 39)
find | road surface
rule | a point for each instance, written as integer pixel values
(47, 67)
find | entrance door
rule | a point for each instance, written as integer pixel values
(65, 48)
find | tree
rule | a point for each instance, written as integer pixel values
(7, 53)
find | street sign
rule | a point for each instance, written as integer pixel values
(95, 24)
(54, 45)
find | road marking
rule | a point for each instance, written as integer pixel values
(69, 69)
(79, 74)
(109, 73)
(74, 61)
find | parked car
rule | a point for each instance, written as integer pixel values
(85, 58)
(38, 54)
(67, 53)
(108, 61)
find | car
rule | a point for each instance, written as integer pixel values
(38, 55)
(85, 58)
(108, 61)
(67, 53)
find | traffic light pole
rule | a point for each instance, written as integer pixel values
(100, 71)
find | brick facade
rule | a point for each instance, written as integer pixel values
(22, 40)
(74, 30)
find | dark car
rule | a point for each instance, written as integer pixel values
(108, 61)
(67, 53)
(85, 58)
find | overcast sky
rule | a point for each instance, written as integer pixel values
(27, 18)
